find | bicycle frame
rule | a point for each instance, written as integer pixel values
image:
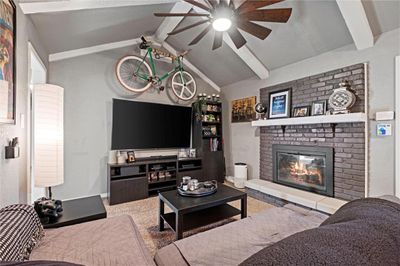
(144, 76)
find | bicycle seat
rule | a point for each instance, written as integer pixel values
(184, 53)
(144, 44)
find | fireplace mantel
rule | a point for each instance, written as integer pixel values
(321, 119)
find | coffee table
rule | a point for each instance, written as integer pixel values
(189, 213)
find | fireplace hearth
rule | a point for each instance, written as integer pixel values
(308, 168)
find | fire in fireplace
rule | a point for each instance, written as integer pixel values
(305, 167)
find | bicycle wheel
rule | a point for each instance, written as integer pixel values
(184, 85)
(133, 73)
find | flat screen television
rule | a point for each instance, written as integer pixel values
(141, 125)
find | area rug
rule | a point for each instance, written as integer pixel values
(145, 214)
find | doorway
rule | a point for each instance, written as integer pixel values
(37, 75)
(397, 127)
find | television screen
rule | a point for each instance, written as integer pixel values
(140, 125)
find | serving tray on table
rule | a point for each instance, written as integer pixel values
(201, 191)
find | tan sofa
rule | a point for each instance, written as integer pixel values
(111, 241)
(234, 242)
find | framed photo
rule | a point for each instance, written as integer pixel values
(243, 110)
(318, 108)
(280, 104)
(301, 111)
(192, 153)
(7, 61)
(130, 156)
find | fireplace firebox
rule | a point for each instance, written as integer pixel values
(304, 167)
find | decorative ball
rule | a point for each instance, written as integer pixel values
(260, 108)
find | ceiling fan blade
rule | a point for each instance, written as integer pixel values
(201, 35)
(270, 15)
(254, 29)
(236, 37)
(232, 4)
(188, 27)
(180, 15)
(213, 3)
(195, 3)
(217, 40)
(251, 5)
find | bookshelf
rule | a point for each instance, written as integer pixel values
(207, 138)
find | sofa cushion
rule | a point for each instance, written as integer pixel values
(20, 231)
(362, 232)
(110, 241)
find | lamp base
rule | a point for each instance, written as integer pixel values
(48, 210)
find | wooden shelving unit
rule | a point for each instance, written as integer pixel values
(207, 139)
(146, 177)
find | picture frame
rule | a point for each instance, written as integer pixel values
(7, 62)
(130, 156)
(318, 108)
(280, 104)
(301, 111)
(192, 153)
(243, 110)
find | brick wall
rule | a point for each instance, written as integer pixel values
(348, 139)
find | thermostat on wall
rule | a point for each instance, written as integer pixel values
(384, 116)
(384, 129)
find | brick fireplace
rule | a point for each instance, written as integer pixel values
(345, 140)
(308, 168)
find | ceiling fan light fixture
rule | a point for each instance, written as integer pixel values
(222, 24)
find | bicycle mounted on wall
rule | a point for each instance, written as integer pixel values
(136, 75)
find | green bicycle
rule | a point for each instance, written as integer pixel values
(135, 74)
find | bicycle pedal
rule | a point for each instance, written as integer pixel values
(161, 88)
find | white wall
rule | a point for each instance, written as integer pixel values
(90, 84)
(13, 173)
(242, 141)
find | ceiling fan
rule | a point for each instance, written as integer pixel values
(223, 15)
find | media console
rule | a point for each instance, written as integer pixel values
(148, 176)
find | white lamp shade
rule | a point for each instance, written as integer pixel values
(48, 135)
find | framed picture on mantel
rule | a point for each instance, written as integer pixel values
(280, 104)
(7, 61)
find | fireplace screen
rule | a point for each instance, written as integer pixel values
(304, 167)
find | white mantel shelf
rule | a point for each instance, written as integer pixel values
(321, 119)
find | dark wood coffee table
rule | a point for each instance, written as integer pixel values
(189, 213)
(79, 211)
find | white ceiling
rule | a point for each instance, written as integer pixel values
(63, 31)
(315, 27)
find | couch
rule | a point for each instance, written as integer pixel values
(111, 241)
(261, 239)
(366, 230)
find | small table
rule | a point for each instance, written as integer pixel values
(79, 211)
(189, 213)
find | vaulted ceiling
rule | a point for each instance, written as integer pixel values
(315, 27)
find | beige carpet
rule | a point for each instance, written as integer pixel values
(145, 214)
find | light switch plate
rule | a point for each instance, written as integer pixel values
(384, 130)
(384, 116)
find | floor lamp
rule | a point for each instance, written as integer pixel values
(48, 136)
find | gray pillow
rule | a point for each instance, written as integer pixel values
(20, 231)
